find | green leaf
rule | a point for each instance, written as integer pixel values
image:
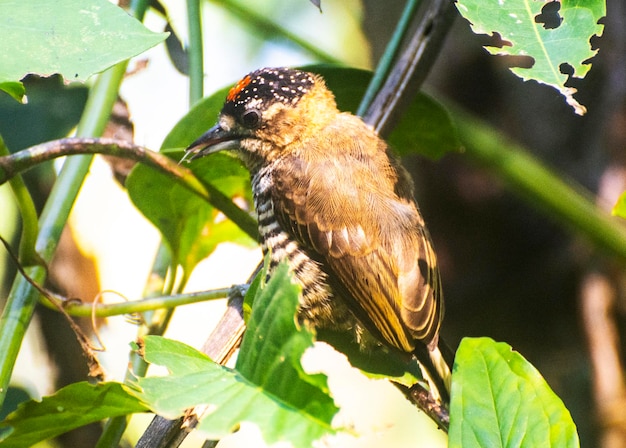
(500, 400)
(191, 226)
(255, 285)
(268, 386)
(273, 345)
(71, 407)
(15, 89)
(75, 38)
(619, 209)
(196, 122)
(52, 111)
(425, 128)
(568, 43)
(179, 358)
(376, 362)
(347, 84)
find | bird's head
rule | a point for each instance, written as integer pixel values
(266, 112)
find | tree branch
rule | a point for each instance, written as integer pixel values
(219, 346)
(23, 160)
(413, 66)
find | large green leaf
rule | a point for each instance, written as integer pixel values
(376, 362)
(71, 407)
(516, 22)
(425, 127)
(196, 122)
(52, 111)
(268, 387)
(75, 38)
(273, 345)
(191, 226)
(500, 400)
(347, 84)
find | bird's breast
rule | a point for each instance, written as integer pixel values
(318, 306)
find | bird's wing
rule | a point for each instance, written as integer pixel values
(372, 241)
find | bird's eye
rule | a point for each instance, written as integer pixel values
(251, 118)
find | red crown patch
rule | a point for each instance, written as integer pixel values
(234, 92)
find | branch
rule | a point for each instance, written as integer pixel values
(413, 66)
(423, 399)
(30, 157)
(23, 160)
(220, 346)
(79, 308)
(527, 177)
(30, 226)
(95, 369)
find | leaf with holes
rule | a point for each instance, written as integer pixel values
(556, 35)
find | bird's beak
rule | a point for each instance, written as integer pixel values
(214, 140)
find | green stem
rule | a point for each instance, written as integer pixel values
(100, 102)
(391, 51)
(196, 63)
(565, 200)
(23, 297)
(27, 254)
(112, 432)
(156, 281)
(115, 427)
(157, 319)
(138, 8)
(80, 309)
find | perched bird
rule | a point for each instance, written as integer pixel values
(335, 203)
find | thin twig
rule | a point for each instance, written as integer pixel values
(28, 158)
(424, 400)
(95, 369)
(75, 307)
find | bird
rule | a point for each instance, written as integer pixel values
(335, 203)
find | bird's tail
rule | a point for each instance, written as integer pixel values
(436, 362)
